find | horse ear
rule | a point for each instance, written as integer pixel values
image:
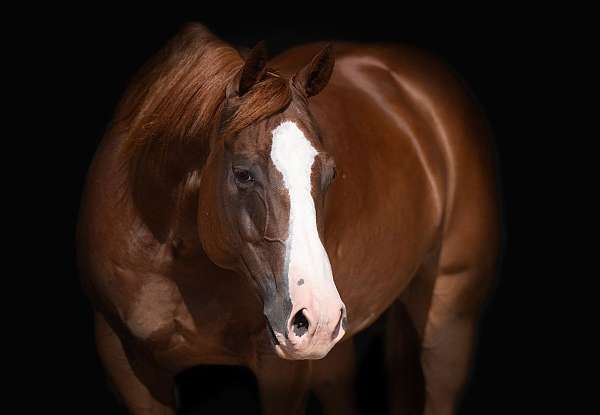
(254, 68)
(314, 77)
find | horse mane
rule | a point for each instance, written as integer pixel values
(178, 103)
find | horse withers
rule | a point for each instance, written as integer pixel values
(241, 211)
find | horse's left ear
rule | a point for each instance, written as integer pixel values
(254, 68)
(314, 77)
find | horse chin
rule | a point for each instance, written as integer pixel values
(294, 356)
(291, 354)
(285, 349)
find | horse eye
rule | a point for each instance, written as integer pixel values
(243, 176)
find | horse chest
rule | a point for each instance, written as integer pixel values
(369, 287)
(186, 320)
(375, 259)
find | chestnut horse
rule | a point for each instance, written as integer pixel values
(255, 213)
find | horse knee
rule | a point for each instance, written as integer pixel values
(449, 332)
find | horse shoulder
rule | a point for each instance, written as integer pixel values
(117, 254)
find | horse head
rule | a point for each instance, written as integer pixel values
(261, 202)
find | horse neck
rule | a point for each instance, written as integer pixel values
(168, 204)
(163, 178)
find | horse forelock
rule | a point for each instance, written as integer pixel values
(269, 96)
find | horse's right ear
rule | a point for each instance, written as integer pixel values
(314, 77)
(254, 68)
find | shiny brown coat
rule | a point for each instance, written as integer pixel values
(411, 221)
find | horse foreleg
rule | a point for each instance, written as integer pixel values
(402, 362)
(283, 385)
(333, 380)
(445, 309)
(143, 388)
(445, 358)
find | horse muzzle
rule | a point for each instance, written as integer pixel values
(311, 332)
(307, 314)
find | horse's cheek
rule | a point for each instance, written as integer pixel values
(214, 226)
(252, 219)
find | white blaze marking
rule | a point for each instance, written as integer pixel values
(306, 258)
(293, 156)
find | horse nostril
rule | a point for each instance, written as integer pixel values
(300, 323)
(339, 324)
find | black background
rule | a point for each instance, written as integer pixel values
(507, 57)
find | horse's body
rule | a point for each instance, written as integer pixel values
(411, 219)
